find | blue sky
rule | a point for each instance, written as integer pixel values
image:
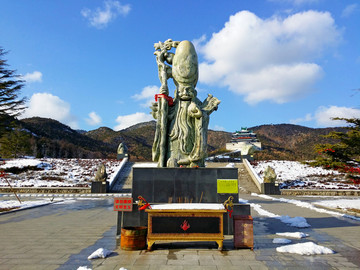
(90, 63)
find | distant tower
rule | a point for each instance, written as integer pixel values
(246, 141)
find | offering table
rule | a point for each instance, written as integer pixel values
(186, 222)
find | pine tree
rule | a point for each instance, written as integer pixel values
(15, 144)
(344, 155)
(10, 85)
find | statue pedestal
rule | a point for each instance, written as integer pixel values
(100, 187)
(270, 189)
(183, 185)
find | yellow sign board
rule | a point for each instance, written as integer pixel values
(227, 186)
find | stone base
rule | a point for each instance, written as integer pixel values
(270, 189)
(100, 187)
(182, 185)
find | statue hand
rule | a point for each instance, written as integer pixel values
(154, 109)
(210, 104)
(194, 110)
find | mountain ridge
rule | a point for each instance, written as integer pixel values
(279, 141)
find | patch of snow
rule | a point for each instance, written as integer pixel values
(100, 253)
(145, 165)
(297, 235)
(281, 241)
(84, 268)
(295, 175)
(188, 206)
(20, 163)
(306, 205)
(291, 170)
(57, 172)
(299, 222)
(230, 165)
(308, 248)
(23, 205)
(342, 203)
(122, 268)
(242, 201)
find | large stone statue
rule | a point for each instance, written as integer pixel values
(182, 122)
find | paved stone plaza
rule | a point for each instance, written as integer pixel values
(63, 235)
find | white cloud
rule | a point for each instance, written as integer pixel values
(198, 42)
(308, 117)
(349, 10)
(101, 17)
(36, 76)
(49, 106)
(218, 128)
(147, 95)
(94, 119)
(324, 115)
(268, 59)
(125, 121)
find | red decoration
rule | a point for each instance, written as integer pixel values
(185, 225)
(169, 99)
(143, 204)
(230, 212)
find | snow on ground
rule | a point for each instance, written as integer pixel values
(297, 235)
(294, 174)
(340, 204)
(299, 222)
(50, 172)
(307, 205)
(100, 253)
(15, 204)
(23, 205)
(281, 241)
(145, 165)
(308, 248)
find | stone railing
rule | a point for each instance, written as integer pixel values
(112, 180)
(254, 176)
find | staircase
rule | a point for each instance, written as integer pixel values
(246, 184)
(124, 180)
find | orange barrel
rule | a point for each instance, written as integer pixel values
(133, 238)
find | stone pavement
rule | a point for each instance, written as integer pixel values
(63, 235)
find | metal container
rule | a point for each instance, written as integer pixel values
(243, 232)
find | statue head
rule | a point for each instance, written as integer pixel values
(185, 67)
(186, 92)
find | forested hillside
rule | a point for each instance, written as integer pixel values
(46, 137)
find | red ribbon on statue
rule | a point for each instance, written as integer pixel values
(230, 212)
(169, 99)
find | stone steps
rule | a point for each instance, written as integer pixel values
(124, 180)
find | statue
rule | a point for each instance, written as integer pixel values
(122, 151)
(101, 174)
(269, 175)
(182, 121)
